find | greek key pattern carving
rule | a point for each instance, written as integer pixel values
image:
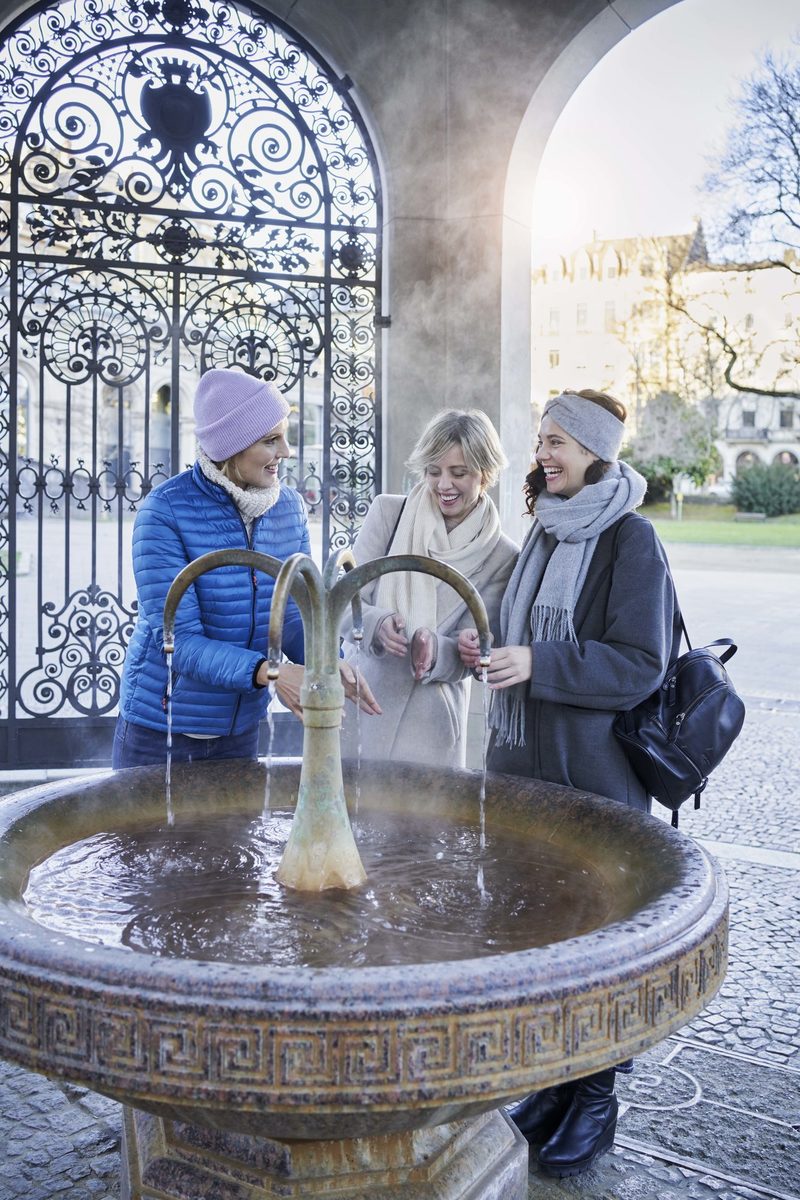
(165, 1053)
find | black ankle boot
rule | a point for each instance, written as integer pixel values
(587, 1130)
(539, 1115)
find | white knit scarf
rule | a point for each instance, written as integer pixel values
(252, 502)
(540, 598)
(421, 530)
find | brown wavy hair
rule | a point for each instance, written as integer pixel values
(535, 479)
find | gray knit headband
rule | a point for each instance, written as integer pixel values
(590, 424)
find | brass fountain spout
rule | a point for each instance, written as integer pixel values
(320, 852)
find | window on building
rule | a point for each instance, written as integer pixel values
(581, 316)
(554, 357)
(555, 319)
(749, 321)
(611, 273)
(162, 398)
(23, 415)
(746, 459)
(160, 433)
(748, 418)
(610, 316)
(647, 266)
(312, 427)
(787, 418)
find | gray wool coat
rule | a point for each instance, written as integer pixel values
(628, 629)
(425, 721)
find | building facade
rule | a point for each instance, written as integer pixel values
(642, 316)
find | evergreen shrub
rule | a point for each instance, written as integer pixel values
(659, 480)
(773, 490)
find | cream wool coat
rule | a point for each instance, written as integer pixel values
(425, 721)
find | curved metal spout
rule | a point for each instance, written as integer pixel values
(209, 562)
(297, 566)
(344, 560)
(321, 851)
(338, 561)
(358, 578)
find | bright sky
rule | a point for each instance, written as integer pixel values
(641, 127)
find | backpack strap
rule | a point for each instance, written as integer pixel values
(729, 642)
(684, 630)
(394, 527)
(729, 653)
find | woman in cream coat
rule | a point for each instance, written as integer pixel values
(409, 653)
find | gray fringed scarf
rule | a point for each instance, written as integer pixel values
(541, 595)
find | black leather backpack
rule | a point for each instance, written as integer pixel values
(676, 737)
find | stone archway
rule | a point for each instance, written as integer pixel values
(570, 68)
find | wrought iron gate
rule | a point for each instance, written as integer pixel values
(182, 186)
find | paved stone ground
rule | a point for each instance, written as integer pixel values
(713, 1112)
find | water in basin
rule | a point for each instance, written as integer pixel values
(205, 889)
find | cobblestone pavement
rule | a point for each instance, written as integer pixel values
(713, 1112)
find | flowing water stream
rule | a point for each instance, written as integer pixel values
(357, 637)
(485, 753)
(273, 691)
(168, 779)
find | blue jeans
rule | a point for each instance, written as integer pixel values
(138, 746)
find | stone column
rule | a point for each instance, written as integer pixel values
(460, 96)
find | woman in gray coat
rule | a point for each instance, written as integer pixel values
(409, 653)
(589, 624)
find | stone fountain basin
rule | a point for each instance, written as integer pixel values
(349, 1052)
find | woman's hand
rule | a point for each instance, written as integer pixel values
(424, 650)
(391, 635)
(287, 686)
(358, 690)
(290, 681)
(469, 648)
(510, 665)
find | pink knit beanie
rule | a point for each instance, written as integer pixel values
(233, 410)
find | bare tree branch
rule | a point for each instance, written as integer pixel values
(732, 354)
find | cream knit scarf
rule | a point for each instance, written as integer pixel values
(252, 502)
(423, 600)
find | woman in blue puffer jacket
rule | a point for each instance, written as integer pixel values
(230, 498)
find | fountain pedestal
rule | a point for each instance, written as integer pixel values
(484, 1158)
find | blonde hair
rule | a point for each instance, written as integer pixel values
(472, 431)
(229, 467)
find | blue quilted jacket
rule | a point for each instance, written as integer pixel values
(222, 620)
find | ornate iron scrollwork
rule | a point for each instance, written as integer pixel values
(182, 186)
